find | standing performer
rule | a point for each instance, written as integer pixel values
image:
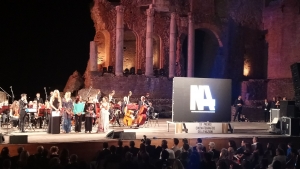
(98, 96)
(67, 105)
(39, 101)
(23, 106)
(266, 107)
(110, 97)
(103, 123)
(55, 103)
(14, 113)
(238, 104)
(89, 109)
(78, 112)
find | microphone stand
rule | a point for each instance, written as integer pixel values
(46, 94)
(7, 95)
(12, 93)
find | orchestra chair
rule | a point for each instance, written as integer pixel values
(154, 120)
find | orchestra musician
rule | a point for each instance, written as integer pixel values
(22, 106)
(67, 105)
(78, 112)
(110, 96)
(14, 113)
(103, 123)
(56, 104)
(39, 102)
(126, 100)
(98, 96)
(90, 110)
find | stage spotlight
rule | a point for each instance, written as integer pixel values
(132, 71)
(162, 72)
(110, 69)
(139, 72)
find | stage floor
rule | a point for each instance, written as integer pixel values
(241, 130)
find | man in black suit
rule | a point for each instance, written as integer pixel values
(22, 106)
(238, 104)
(266, 107)
(98, 96)
(39, 101)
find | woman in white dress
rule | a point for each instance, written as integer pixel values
(104, 117)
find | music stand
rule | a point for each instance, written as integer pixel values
(29, 111)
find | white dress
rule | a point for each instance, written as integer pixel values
(105, 116)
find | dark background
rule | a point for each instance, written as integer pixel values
(220, 91)
(42, 43)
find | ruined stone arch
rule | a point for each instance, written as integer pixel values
(103, 47)
(214, 29)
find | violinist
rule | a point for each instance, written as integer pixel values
(67, 113)
(110, 97)
(14, 113)
(90, 110)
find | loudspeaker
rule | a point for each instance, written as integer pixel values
(114, 134)
(21, 139)
(290, 126)
(128, 136)
(287, 108)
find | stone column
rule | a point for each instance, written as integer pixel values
(93, 56)
(191, 47)
(172, 56)
(119, 40)
(149, 42)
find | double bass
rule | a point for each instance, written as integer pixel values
(141, 116)
(129, 118)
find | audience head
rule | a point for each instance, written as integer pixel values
(232, 144)
(290, 145)
(73, 158)
(176, 141)
(24, 156)
(185, 141)
(243, 143)
(148, 142)
(142, 147)
(64, 153)
(131, 143)
(224, 153)
(40, 149)
(54, 150)
(105, 145)
(186, 147)
(199, 147)
(279, 151)
(255, 139)
(199, 140)
(211, 145)
(164, 155)
(164, 142)
(4, 152)
(20, 149)
(113, 149)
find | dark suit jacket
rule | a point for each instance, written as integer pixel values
(22, 107)
(266, 107)
(237, 101)
(40, 100)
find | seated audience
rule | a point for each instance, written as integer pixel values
(212, 149)
(279, 157)
(133, 149)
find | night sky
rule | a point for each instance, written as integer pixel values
(42, 43)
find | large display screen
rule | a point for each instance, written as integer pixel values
(201, 100)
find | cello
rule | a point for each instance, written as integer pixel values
(128, 119)
(141, 116)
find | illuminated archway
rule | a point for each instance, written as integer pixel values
(156, 52)
(103, 47)
(129, 49)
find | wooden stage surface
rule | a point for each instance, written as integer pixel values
(241, 130)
